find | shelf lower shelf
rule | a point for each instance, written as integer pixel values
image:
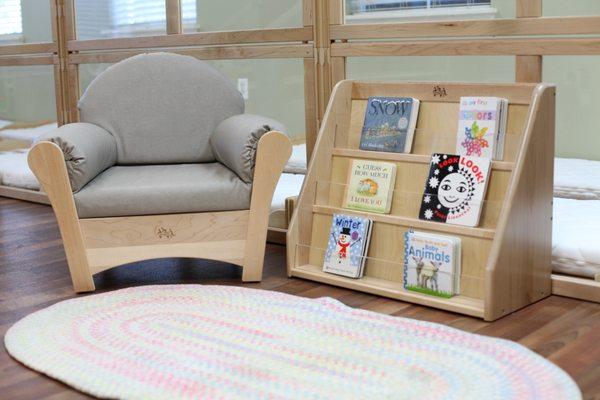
(406, 157)
(410, 222)
(381, 287)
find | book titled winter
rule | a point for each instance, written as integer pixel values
(455, 189)
(389, 124)
(482, 127)
(347, 245)
(432, 263)
(370, 186)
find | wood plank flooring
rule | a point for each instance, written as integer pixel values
(34, 274)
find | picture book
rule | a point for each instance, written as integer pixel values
(481, 127)
(347, 245)
(432, 263)
(389, 124)
(370, 186)
(455, 189)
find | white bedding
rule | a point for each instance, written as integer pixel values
(14, 170)
(297, 162)
(576, 179)
(4, 122)
(576, 237)
(27, 134)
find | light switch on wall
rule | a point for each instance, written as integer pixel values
(242, 84)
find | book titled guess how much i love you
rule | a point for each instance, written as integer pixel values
(347, 245)
(455, 189)
(370, 186)
(389, 124)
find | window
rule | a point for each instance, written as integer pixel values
(114, 18)
(10, 17)
(394, 10)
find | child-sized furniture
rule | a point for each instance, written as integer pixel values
(163, 164)
(505, 260)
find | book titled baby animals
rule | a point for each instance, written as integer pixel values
(432, 263)
(370, 186)
(455, 189)
(347, 245)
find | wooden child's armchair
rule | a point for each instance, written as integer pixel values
(164, 164)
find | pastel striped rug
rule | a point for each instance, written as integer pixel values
(220, 342)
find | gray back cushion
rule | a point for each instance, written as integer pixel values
(160, 107)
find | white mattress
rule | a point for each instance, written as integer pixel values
(576, 237)
(15, 172)
(289, 185)
(4, 122)
(297, 162)
(27, 134)
(576, 179)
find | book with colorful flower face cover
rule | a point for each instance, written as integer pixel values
(347, 245)
(480, 125)
(455, 189)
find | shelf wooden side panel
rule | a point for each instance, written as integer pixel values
(460, 304)
(519, 268)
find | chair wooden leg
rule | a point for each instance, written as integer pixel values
(274, 149)
(47, 162)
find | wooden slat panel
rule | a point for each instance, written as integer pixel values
(470, 47)
(26, 60)
(444, 92)
(485, 27)
(206, 53)
(162, 229)
(578, 288)
(29, 48)
(529, 68)
(529, 8)
(173, 13)
(196, 39)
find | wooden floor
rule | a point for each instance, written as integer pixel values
(33, 275)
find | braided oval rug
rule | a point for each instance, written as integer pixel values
(222, 342)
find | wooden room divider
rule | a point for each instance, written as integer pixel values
(323, 42)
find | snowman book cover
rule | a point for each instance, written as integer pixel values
(370, 186)
(455, 189)
(347, 245)
(389, 124)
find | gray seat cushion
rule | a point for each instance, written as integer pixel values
(160, 107)
(162, 189)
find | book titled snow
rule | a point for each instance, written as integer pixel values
(347, 246)
(389, 124)
(455, 189)
(482, 127)
(370, 186)
(432, 263)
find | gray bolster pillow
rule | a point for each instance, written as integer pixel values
(87, 148)
(235, 141)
